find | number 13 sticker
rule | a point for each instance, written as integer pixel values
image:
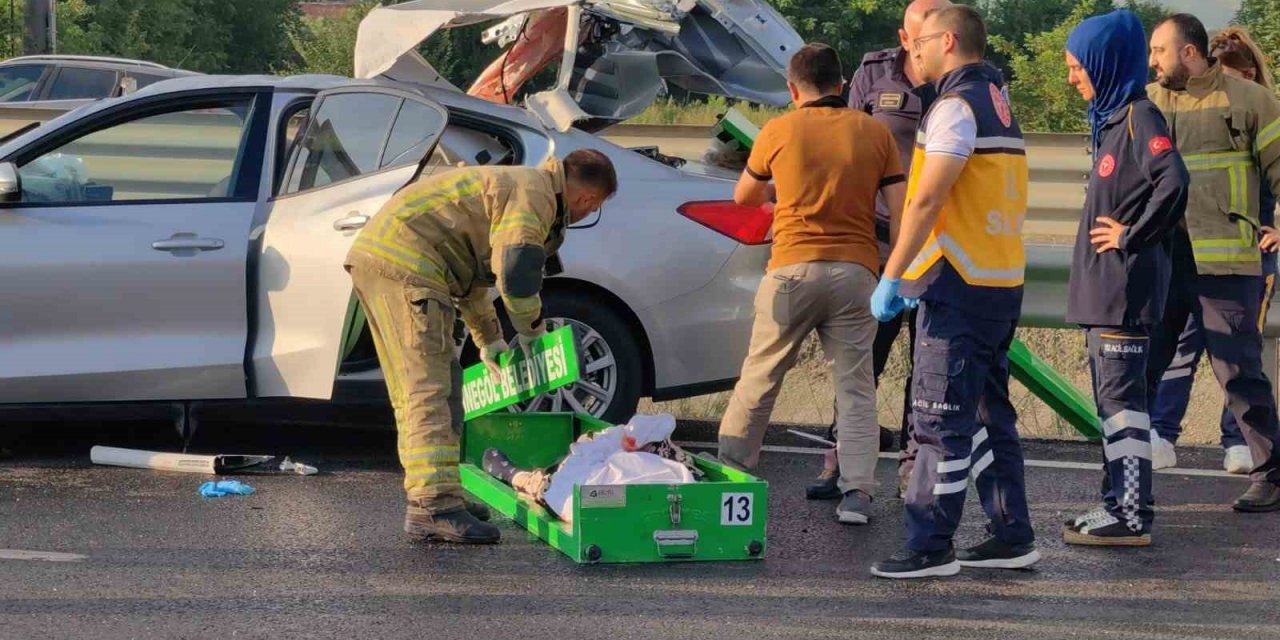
(736, 509)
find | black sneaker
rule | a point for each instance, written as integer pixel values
(994, 554)
(917, 564)
(1101, 529)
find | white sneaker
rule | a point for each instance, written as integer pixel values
(1163, 455)
(1238, 460)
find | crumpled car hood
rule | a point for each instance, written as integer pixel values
(627, 51)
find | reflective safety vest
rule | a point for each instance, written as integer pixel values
(978, 233)
(1226, 129)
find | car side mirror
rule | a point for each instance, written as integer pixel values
(10, 183)
(127, 86)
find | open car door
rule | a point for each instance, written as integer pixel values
(621, 53)
(361, 144)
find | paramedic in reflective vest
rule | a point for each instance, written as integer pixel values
(959, 254)
(434, 250)
(1121, 265)
(1228, 131)
(885, 87)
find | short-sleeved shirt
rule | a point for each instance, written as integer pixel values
(826, 187)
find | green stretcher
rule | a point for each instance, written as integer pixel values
(721, 517)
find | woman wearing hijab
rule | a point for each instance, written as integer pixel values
(1121, 266)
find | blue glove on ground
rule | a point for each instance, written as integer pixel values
(221, 488)
(885, 301)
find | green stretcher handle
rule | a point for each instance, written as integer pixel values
(1054, 390)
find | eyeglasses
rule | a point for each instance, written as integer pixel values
(916, 44)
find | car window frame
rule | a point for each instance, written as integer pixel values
(246, 171)
(52, 79)
(318, 102)
(41, 84)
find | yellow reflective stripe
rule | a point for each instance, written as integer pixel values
(391, 347)
(1268, 135)
(522, 306)
(1218, 156)
(426, 458)
(423, 266)
(1233, 177)
(517, 220)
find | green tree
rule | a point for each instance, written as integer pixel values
(1038, 89)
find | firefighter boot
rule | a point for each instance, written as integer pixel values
(453, 525)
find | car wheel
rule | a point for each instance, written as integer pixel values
(609, 355)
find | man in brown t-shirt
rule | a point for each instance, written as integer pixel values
(824, 266)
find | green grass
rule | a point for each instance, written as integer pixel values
(671, 112)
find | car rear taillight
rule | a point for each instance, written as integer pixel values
(748, 225)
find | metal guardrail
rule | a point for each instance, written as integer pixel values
(1060, 165)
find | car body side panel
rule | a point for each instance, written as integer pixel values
(92, 312)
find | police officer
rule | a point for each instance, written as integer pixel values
(435, 249)
(1121, 266)
(887, 87)
(959, 252)
(1228, 131)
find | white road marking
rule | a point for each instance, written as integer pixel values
(1041, 464)
(47, 556)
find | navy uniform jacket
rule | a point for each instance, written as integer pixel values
(881, 89)
(1139, 180)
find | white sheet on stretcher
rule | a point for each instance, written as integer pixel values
(604, 460)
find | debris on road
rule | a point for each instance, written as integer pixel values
(222, 488)
(298, 467)
(186, 462)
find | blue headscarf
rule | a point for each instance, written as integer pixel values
(1112, 48)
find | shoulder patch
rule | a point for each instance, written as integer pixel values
(1106, 166)
(1001, 105)
(1159, 145)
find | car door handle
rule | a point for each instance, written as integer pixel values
(352, 222)
(188, 242)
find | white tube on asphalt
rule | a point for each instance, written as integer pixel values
(161, 461)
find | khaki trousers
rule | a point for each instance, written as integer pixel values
(412, 329)
(832, 298)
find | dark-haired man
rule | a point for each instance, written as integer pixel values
(959, 254)
(823, 266)
(1228, 131)
(434, 250)
(887, 88)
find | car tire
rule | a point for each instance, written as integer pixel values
(610, 356)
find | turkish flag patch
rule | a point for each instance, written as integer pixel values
(1106, 166)
(1159, 145)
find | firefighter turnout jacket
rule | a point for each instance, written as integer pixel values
(465, 231)
(1228, 131)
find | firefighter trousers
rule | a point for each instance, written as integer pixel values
(412, 329)
(965, 427)
(1118, 363)
(1229, 312)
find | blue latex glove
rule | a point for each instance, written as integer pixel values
(885, 301)
(221, 488)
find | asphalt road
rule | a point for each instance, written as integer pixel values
(323, 556)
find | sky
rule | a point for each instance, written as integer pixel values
(1215, 14)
